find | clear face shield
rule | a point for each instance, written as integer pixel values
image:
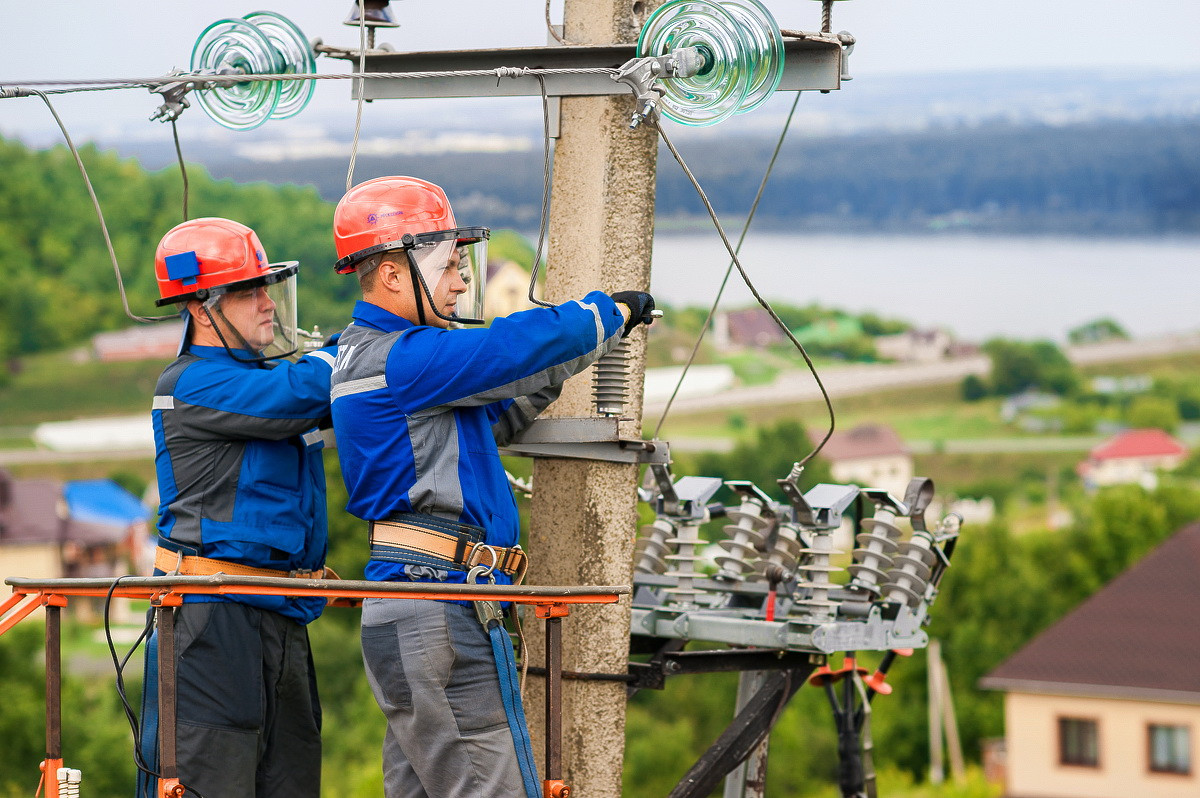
(256, 319)
(452, 267)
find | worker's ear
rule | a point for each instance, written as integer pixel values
(196, 309)
(392, 275)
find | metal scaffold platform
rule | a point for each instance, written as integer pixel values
(165, 593)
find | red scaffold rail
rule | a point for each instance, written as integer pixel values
(166, 592)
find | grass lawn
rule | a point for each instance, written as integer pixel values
(954, 471)
(57, 386)
(934, 412)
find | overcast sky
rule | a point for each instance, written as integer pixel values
(135, 39)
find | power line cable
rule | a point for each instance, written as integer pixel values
(99, 214)
(754, 291)
(362, 68)
(182, 168)
(544, 218)
(729, 271)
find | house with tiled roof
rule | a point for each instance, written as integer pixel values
(869, 455)
(1132, 456)
(506, 289)
(746, 328)
(1106, 702)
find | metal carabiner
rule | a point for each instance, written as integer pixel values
(481, 570)
(486, 610)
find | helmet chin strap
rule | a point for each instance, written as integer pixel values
(244, 344)
(419, 290)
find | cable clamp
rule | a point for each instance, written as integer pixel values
(174, 99)
(643, 74)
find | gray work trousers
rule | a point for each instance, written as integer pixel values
(249, 718)
(431, 668)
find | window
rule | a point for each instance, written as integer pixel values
(1170, 749)
(1078, 742)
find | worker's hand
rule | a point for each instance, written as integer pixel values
(641, 306)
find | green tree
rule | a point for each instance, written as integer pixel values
(1105, 329)
(1153, 412)
(767, 458)
(1020, 366)
(974, 388)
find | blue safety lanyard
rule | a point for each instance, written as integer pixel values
(510, 693)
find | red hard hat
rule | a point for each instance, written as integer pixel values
(382, 211)
(200, 255)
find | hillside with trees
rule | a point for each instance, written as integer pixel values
(1110, 177)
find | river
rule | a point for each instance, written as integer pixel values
(976, 286)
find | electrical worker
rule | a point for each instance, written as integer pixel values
(242, 491)
(419, 406)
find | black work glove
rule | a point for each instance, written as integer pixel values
(639, 303)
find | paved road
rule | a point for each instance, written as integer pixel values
(860, 378)
(34, 456)
(796, 386)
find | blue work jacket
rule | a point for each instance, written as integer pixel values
(419, 410)
(238, 457)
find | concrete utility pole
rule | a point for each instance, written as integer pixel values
(585, 512)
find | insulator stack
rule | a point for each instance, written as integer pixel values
(784, 556)
(814, 573)
(910, 571)
(68, 782)
(874, 555)
(683, 564)
(747, 533)
(610, 381)
(652, 547)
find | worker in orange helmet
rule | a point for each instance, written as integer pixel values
(423, 394)
(242, 491)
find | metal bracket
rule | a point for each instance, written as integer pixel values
(825, 504)
(585, 438)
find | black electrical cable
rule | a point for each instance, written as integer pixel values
(545, 215)
(754, 291)
(99, 213)
(182, 168)
(362, 62)
(119, 667)
(729, 271)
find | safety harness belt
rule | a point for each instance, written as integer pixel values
(420, 539)
(175, 562)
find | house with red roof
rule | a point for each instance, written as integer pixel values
(1132, 456)
(1106, 702)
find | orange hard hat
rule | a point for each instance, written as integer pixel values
(376, 215)
(204, 257)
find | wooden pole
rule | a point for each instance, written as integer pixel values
(933, 670)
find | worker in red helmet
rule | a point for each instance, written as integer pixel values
(242, 491)
(422, 397)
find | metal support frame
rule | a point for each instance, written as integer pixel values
(812, 63)
(54, 759)
(585, 438)
(166, 593)
(749, 728)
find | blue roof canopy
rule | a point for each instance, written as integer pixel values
(102, 501)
